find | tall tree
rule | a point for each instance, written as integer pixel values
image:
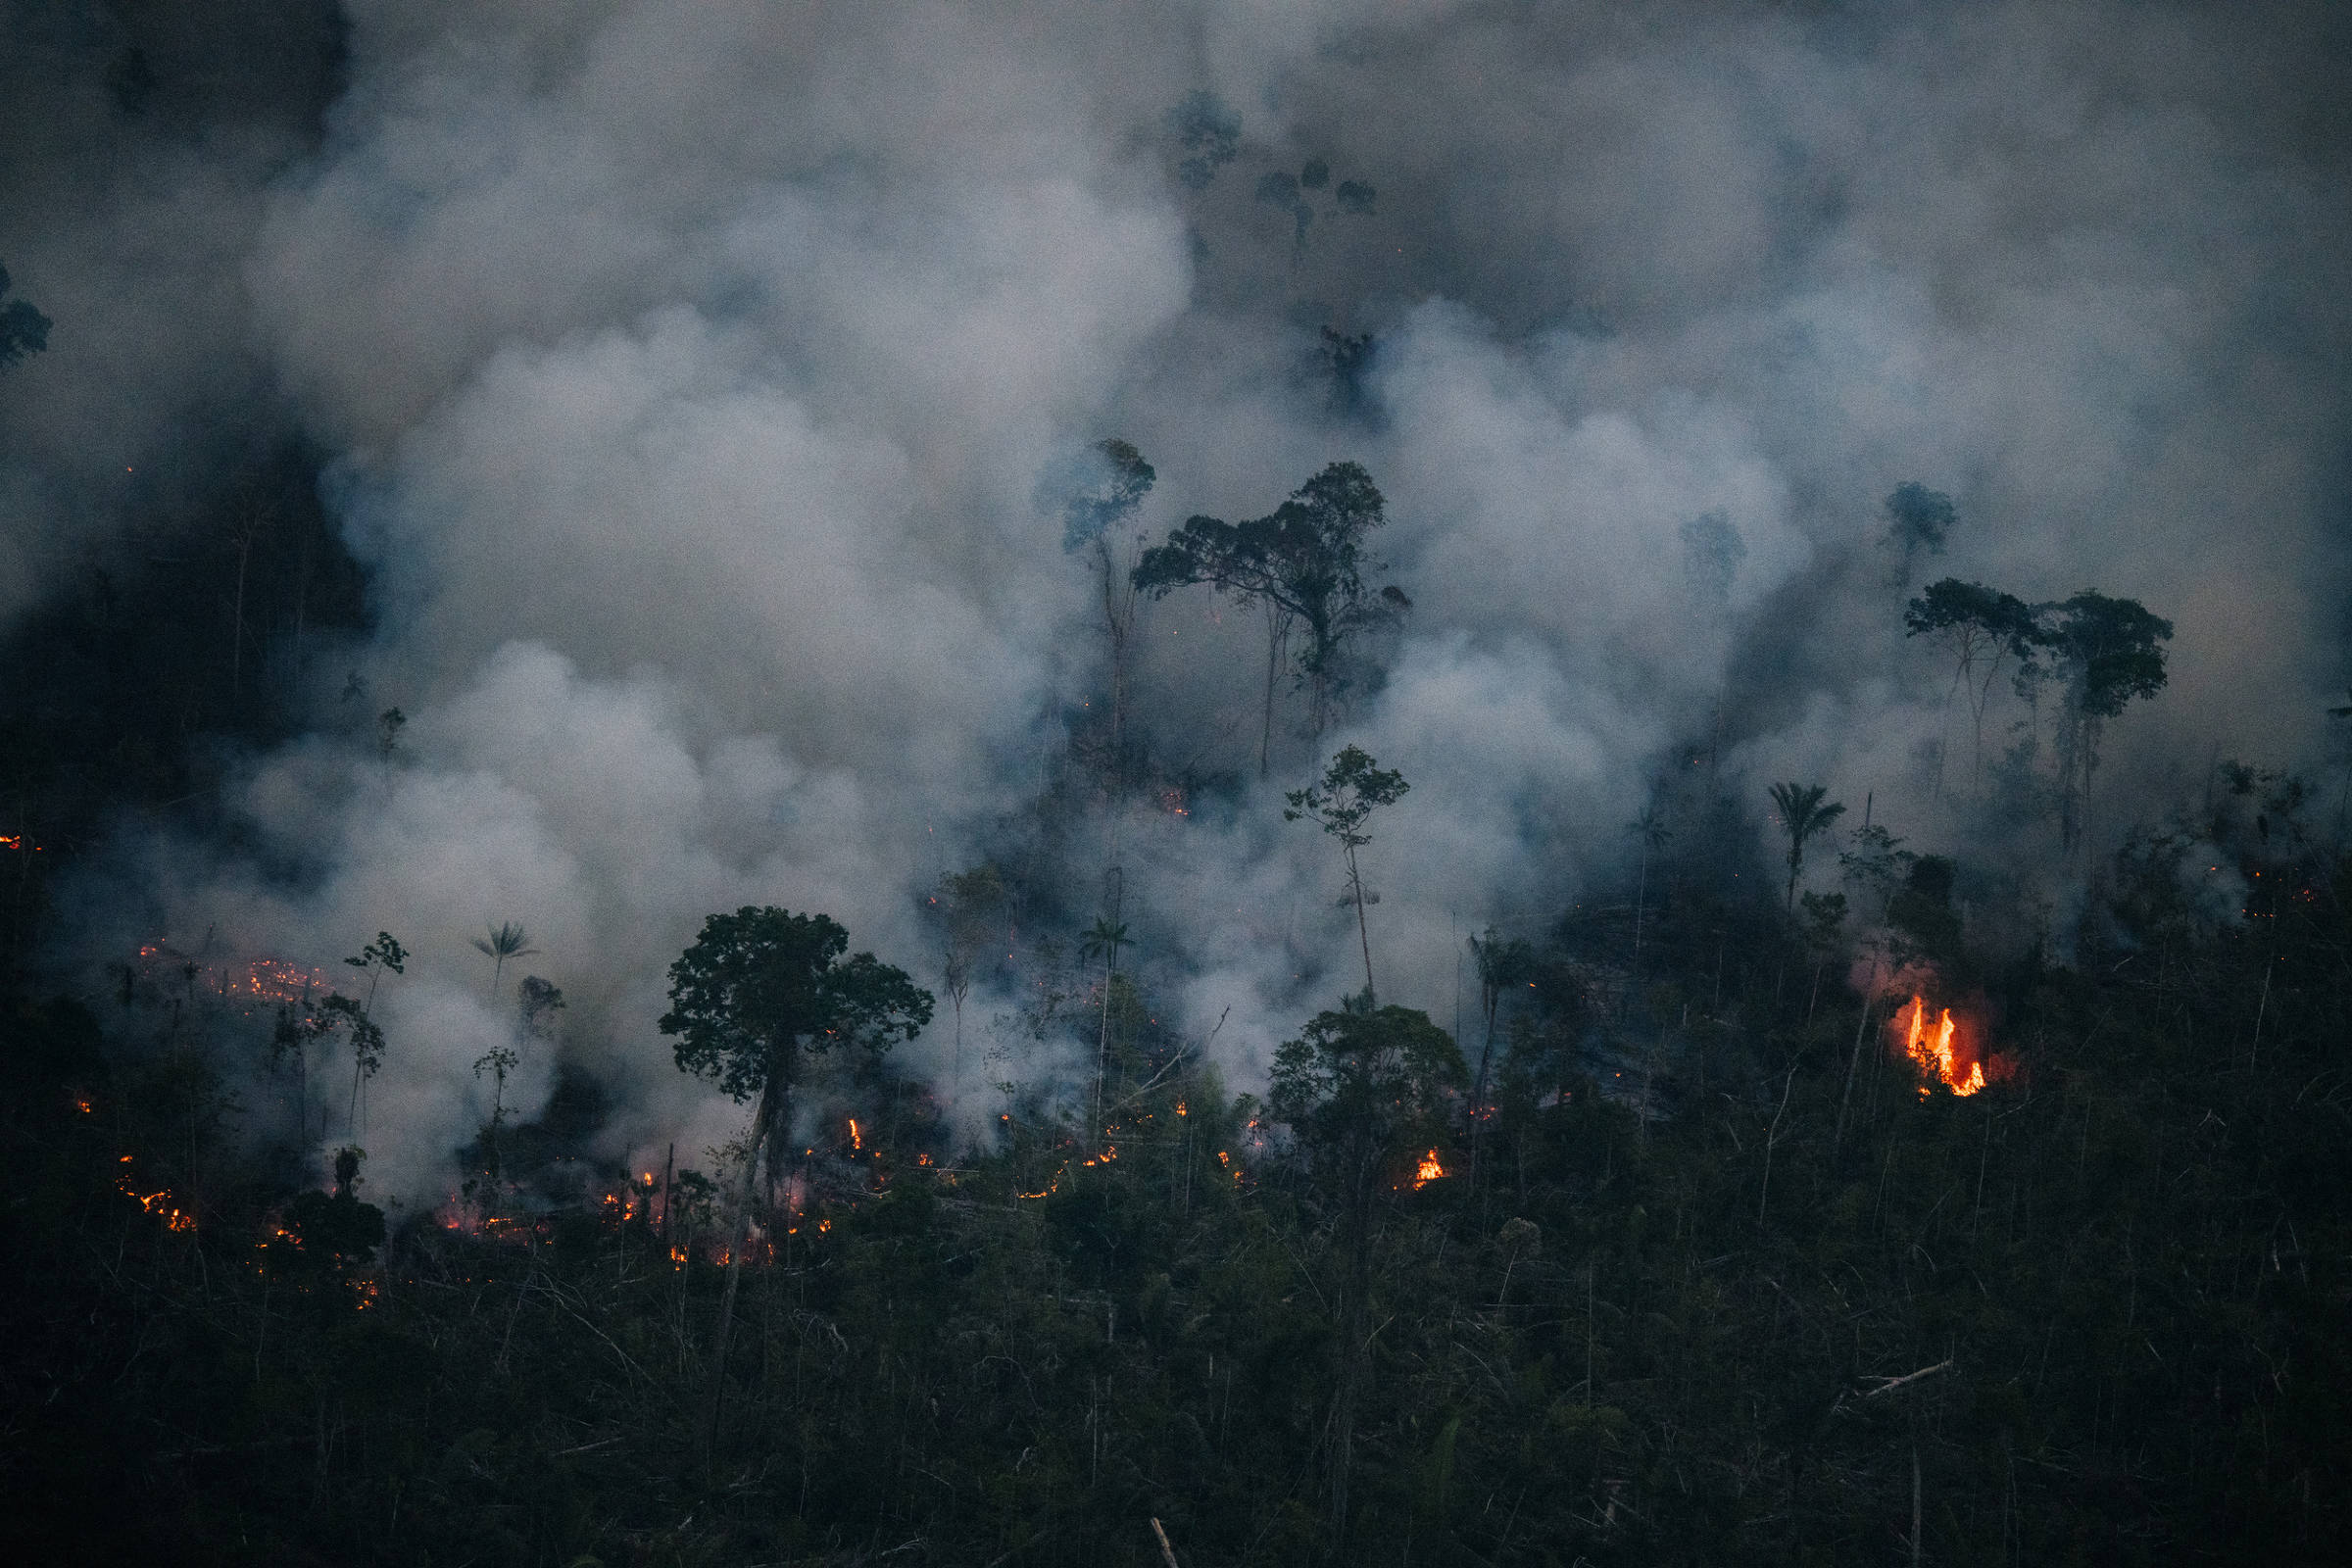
(1650, 831)
(1983, 630)
(1096, 495)
(1918, 521)
(1804, 813)
(1362, 1089)
(1102, 940)
(1305, 563)
(757, 989)
(536, 1004)
(2102, 653)
(1503, 964)
(355, 1015)
(505, 940)
(760, 987)
(1352, 788)
(964, 910)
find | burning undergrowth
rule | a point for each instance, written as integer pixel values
(1949, 1044)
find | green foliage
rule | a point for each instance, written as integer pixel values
(1352, 788)
(1363, 1090)
(763, 986)
(2109, 649)
(761, 983)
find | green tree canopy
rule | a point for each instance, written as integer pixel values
(1363, 1090)
(2108, 647)
(763, 985)
(1359, 1089)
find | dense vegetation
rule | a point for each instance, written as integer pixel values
(1673, 1258)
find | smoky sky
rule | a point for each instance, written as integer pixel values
(687, 371)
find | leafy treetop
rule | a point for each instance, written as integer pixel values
(762, 984)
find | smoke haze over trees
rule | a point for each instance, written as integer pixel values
(502, 468)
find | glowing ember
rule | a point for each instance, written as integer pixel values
(1429, 1170)
(855, 1142)
(158, 1203)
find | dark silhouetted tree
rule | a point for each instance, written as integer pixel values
(1102, 940)
(1804, 813)
(1918, 521)
(1363, 1092)
(1352, 788)
(355, 1015)
(1209, 133)
(1651, 833)
(760, 987)
(505, 941)
(1094, 495)
(1983, 630)
(1305, 563)
(2102, 653)
(964, 910)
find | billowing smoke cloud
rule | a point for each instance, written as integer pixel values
(692, 367)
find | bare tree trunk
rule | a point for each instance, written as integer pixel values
(1355, 883)
(1278, 636)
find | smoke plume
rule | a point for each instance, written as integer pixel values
(689, 368)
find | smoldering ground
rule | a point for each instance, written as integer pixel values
(688, 371)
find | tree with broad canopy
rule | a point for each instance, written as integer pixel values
(762, 986)
(1305, 563)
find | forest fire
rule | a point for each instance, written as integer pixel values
(1945, 1049)
(158, 1203)
(245, 985)
(1428, 1170)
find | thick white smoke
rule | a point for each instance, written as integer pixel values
(692, 364)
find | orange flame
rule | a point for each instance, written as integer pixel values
(1429, 1170)
(1937, 1048)
(855, 1142)
(158, 1203)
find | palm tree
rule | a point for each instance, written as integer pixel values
(1651, 829)
(1802, 814)
(506, 941)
